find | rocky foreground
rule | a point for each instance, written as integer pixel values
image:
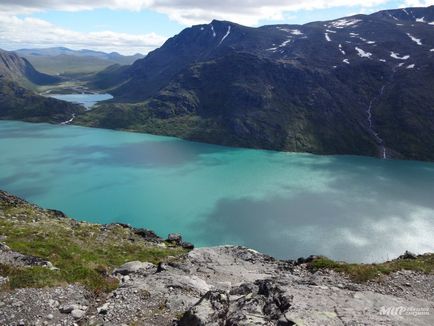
(226, 285)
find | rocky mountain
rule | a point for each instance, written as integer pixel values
(61, 60)
(357, 85)
(18, 101)
(16, 68)
(118, 275)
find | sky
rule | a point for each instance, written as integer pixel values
(139, 26)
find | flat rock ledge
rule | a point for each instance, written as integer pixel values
(228, 285)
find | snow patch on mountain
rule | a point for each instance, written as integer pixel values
(342, 23)
(213, 31)
(391, 16)
(226, 35)
(295, 32)
(283, 44)
(414, 39)
(327, 37)
(411, 66)
(340, 49)
(363, 54)
(395, 55)
(290, 31)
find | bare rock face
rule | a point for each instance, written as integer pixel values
(229, 286)
(260, 303)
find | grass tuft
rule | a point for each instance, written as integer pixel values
(84, 253)
(366, 272)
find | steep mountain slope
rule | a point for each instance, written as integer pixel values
(19, 69)
(18, 102)
(60, 60)
(357, 85)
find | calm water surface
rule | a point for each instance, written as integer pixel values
(287, 205)
(87, 100)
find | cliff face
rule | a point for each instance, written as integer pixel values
(55, 270)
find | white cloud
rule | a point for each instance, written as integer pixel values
(18, 32)
(417, 3)
(189, 12)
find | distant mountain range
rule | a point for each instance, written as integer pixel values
(61, 60)
(357, 85)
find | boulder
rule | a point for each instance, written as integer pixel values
(174, 238)
(408, 255)
(69, 307)
(78, 313)
(103, 309)
(57, 213)
(187, 245)
(137, 267)
(148, 235)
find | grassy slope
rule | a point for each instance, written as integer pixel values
(84, 253)
(365, 272)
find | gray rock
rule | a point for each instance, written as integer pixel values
(260, 303)
(148, 235)
(134, 267)
(212, 309)
(103, 309)
(187, 245)
(174, 238)
(78, 313)
(69, 307)
(408, 255)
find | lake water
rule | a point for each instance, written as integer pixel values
(287, 205)
(87, 100)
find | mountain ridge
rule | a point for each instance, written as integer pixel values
(62, 60)
(343, 86)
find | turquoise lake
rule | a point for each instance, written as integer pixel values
(87, 100)
(284, 204)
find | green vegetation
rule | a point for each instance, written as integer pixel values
(68, 64)
(18, 103)
(83, 253)
(140, 118)
(366, 272)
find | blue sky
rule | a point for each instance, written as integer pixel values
(131, 26)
